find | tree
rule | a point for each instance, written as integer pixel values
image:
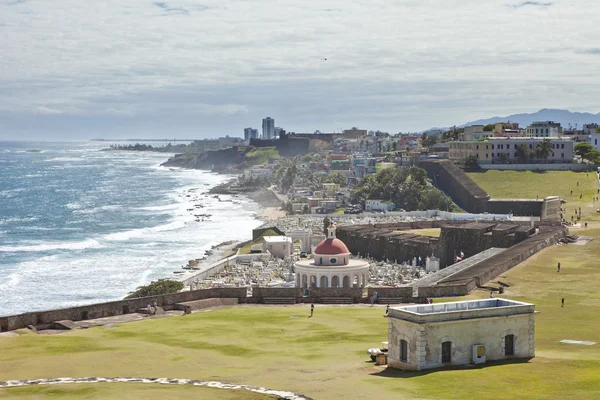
(471, 162)
(326, 224)
(523, 153)
(162, 286)
(433, 199)
(489, 127)
(582, 149)
(593, 157)
(504, 158)
(543, 150)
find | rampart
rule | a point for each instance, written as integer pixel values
(455, 183)
(457, 284)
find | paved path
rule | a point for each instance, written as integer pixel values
(280, 394)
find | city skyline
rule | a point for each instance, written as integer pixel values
(178, 68)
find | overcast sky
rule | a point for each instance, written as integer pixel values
(76, 69)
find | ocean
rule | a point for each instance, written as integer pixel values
(79, 225)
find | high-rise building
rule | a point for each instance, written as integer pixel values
(268, 128)
(250, 133)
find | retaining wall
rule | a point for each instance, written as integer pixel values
(110, 309)
(539, 167)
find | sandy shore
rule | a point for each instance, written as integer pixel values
(271, 214)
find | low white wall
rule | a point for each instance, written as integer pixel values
(539, 167)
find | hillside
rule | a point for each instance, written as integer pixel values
(565, 117)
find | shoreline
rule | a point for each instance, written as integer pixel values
(267, 212)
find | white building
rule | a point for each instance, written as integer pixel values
(464, 332)
(268, 128)
(544, 129)
(331, 266)
(278, 246)
(379, 205)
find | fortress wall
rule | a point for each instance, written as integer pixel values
(404, 292)
(455, 183)
(109, 309)
(516, 207)
(447, 290)
(261, 292)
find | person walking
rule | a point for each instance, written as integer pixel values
(491, 294)
(312, 310)
(562, 302)
(387, 309)
(558, 267)
(149, 309)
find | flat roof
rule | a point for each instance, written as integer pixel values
(274, 239)
(461, 310)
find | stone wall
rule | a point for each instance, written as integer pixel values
(259, 293)
(446, 290)
(455, 183)
(516, 207)
(92, 311)
(316, 294)
(405, 292)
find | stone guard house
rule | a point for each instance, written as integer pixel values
(464, 332)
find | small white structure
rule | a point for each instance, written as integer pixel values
(458, 333)
(278, 246)
(432, 264)
(331, 266)
(379, 205)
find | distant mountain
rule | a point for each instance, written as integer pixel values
(565, 117)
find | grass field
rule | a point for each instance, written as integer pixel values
(529, 184)
(324, 357)
(129, 391)
(434, 232)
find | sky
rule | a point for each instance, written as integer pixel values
(72, 69)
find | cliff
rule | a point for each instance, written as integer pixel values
(229, 159)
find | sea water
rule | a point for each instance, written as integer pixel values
(79, 225)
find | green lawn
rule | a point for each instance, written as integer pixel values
(435, 232)
(127, 391)
(324, 357)
(529, 184)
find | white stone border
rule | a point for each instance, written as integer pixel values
(280, 394)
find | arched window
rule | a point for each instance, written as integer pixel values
(403, 350)
(321, 260)
(509, 345)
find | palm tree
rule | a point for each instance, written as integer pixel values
(543, 150)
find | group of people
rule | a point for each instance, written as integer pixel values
(151, 310)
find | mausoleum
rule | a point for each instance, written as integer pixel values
(331, 266)
(457, 333)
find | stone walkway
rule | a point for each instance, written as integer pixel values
(164, 381)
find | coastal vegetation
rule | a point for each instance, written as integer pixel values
(161, 286)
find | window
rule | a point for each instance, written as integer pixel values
(509, 345)
(486, 155)
(333, 260)
(562, 155)
(320, 260)
(492, 147)
(446, 352)
(403, 350)
(562, 146)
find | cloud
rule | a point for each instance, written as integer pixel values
(222, 65)
(531, 3)
(48, 111)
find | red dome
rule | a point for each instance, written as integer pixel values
(331, 247)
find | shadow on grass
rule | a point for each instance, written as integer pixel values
(390, 372)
